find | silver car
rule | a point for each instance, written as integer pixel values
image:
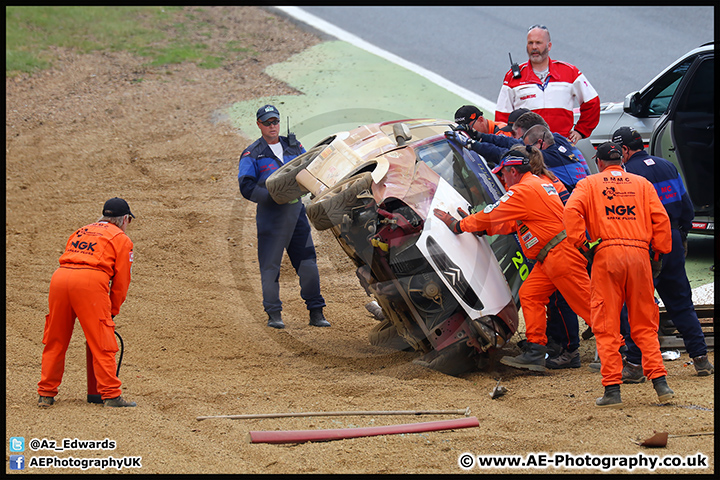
(675, 115)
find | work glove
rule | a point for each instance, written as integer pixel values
(460, 137)
(464, 214)
(588, 249)
(470, 132)
(477, 208)
(449, 220)
(655, 263)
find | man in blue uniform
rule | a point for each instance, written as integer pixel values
(672, 283)
(562, 158)
(279, 227)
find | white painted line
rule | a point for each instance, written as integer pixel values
(702, 295)
(330, 29)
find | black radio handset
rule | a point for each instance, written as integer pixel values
(292, 141)
(514, 67)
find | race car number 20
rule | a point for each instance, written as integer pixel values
(520, 264)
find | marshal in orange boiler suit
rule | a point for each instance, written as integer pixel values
(624, 211)
(532, 208)
(91, 284)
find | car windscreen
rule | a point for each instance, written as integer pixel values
(478, 190)
(471, 177)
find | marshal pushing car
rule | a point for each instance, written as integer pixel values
(450, 297)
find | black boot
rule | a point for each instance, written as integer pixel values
(611, 398)
(118, 402)
(275, 320)
(632, 373)
(564, 360)
(532, 358)
(317, 319)
(661, 388)
(703, 367)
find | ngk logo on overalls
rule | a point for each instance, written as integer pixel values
(84, 247)
(620, 211)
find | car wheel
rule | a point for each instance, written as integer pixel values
(282, 186)
(328, 209)
(384, 334)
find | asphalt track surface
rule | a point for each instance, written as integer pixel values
(342, 85)
(619, 49)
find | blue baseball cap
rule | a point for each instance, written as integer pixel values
(266, 112)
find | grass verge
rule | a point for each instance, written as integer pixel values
(162, 35)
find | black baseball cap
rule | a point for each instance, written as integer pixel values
(467, 114)
(116, 207)
(608, 151)
(628, 137)
(512, 118)
(266, 112)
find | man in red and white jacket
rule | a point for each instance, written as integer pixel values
(550, 88)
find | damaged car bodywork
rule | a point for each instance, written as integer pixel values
(450, 297)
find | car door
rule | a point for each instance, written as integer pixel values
(507, 250)
(685, 136)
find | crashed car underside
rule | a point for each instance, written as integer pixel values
(450, 297)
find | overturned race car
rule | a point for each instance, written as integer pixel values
(450, 297)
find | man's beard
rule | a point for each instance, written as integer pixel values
(541, 56)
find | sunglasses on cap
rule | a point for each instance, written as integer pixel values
(514, 160)
(537, 25)
(274, 121)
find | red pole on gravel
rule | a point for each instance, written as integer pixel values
(301, 436)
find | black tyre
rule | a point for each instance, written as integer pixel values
(384, 334)
(282, 186)
(328, 209)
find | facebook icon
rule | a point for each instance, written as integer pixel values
(17, 462)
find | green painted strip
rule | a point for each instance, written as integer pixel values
(343, 87)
